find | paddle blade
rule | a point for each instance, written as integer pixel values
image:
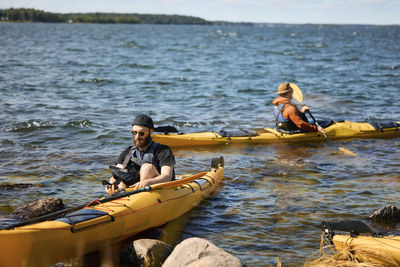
(297, 93)
(347, 152)
(166, 129)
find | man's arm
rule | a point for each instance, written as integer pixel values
(165, 176)
(291, 114)
(110, 189)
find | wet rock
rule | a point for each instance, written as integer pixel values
(38, 208)
(298, 163)
(19, 186)
(388, 215)
(145, 253)
(200, 252)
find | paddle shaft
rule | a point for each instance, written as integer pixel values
(316, 123)
(107, 199)
(298, 95)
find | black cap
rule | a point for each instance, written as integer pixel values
(143, 120)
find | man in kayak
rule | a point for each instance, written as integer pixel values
(288, 117)
(145, 163)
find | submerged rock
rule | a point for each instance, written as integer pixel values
(146, 253)
(388, 215)
(38, 208)
(19, 186)
(200, 252)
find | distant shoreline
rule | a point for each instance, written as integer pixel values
(30, 15)
(34, 15)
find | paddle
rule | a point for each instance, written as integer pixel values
(107, 199)
(166, 129)
(355, 227)
(298, 95)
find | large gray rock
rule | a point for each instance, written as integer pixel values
(145, 253)
(38, 208)
(195, 252)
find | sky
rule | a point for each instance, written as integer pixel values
(378, 12)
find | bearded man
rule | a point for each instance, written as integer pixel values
(145, 163)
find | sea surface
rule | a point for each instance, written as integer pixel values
(68, 94)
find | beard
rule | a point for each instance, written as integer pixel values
(143, 143)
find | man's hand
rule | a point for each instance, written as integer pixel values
(321, 130)
(142, 184)
(112, 187)
(304, 109)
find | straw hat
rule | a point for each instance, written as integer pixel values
(284, 88)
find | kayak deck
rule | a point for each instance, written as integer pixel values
(103, 224)
(338, 130)
(383, 250)
(365, 244)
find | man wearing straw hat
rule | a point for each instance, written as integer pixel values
(288, 117)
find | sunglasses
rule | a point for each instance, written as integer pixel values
(134, 133)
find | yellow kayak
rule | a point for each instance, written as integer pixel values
(372, 246)
(105, 221)
(337, 130)
(383, 250)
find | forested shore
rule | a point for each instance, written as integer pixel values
(33, 15)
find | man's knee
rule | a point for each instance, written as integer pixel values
(148, 167)
(148, 170)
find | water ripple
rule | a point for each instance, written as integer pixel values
(70, 92)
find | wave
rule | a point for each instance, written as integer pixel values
(33, 125)
(130, 44)
(6, 142)
(251, 90)
(95, 80)
(74, 49)
(30, 125)
(84, 123)
(156, 83)
(137, 66)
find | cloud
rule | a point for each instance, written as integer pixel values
(370, 1)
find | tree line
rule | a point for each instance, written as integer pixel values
(33, 15)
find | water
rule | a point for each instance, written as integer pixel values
(69, 93)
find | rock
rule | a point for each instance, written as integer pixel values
(146, 253)
(195, 252)
(8, 186)
(388, 215)
(38, 208)
(211, 261)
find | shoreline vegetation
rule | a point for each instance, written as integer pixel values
(33, 15)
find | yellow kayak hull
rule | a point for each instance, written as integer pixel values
(381, 250)
(338, 130)
(49, 242)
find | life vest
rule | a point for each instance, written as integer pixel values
(140, 158)
(134, 159)
(284, 124)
